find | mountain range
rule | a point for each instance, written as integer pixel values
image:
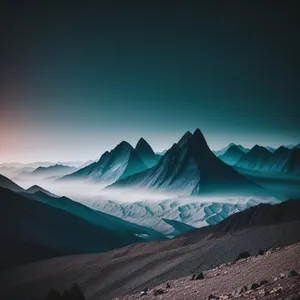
(243, 149)
(53, 171)
(282, 160)
(191, 168)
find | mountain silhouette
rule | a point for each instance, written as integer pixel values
(146, 153)
(119, 163)
(191, 168)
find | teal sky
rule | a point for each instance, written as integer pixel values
(76, 80)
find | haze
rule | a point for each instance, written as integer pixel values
(75, 83)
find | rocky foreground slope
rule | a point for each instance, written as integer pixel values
(130, 269)
(274, 275)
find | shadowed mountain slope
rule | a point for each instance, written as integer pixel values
(9, 184)
(35, 188)
(59, 226)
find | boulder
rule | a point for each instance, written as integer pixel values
(213, 297)
(290, 273)
(242, 255)
(199, 276)
(260, 252)
(158, 292)
(252, 286)
(263, 282)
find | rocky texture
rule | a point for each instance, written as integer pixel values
(132, 268)
(242, 279)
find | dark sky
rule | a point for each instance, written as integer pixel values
(78, 78)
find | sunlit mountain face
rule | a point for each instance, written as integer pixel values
(136, 135)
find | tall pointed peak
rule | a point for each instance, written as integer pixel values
(143, 147)
(104, 156)
(184, 138)
(197, 143)
(142, 142)
(198, 136)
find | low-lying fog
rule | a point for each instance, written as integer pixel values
(148, 208)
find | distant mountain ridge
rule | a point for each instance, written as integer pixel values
(192, 168)
(55, 170)
(225, 149)
(232, 155)
(282, 160)
(255, 158)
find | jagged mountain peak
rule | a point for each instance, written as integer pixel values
(120, 162)
(234, 149)
(281, 150)
(146, 153)
(258, 148)
(198, 143)
(144, 147)
(141, 141)
(184, 138)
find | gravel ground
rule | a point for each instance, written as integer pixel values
(222, 281)
(130, 269)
